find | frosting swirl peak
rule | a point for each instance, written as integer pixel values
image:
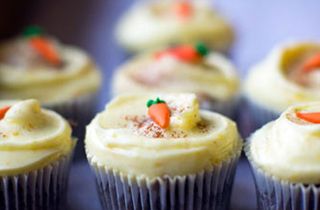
(31, 137)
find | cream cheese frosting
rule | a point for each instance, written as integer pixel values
(31, 137)
(277, 83)
(23, 75)
(289, 147)
(215, 78)
(124, 138)
(152, 25)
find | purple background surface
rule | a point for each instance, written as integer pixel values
(89, 24)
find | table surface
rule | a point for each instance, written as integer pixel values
(89, 24)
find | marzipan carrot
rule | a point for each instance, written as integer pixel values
(183, 9)
(3, 111)
(184, 52)
(311, 63)
(45, 48)
(159, 112)
(313, 117)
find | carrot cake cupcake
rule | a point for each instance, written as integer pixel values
(182, 68)
(289, 75)
(285, 159)
(160, 151)
(155, 24)
(35, 154)
(61, 77)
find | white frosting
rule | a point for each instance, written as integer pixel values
(144, 74)
(31, 137)
(289, 148)
(269, 86)
(25, 77)
(143, 28)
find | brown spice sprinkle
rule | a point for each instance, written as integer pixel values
(178, 109)
(150, 129)
(3, 135)
(142, 125)
(135, 120)
(203, 126)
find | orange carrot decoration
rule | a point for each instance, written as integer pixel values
(311, 63)
(313, 117)
(42, 45)
(182, 52)
(159, 112)
(45, 48)
(3, 111)
(183, 9)
(188, 53)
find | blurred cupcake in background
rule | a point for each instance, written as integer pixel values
(149, 25)
(36, 148)
(289, 75)
(284, 156)
(182, 68)
(160, 151)
(61, 77)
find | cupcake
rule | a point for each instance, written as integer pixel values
(162, 154)
(35, 154)
(284, 156)
(155, 24)
(182, 68)
(62, 78)
(289, 75)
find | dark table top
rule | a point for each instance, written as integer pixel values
(89, 24)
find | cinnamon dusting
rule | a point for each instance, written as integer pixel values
(142, 125)
(179, 109)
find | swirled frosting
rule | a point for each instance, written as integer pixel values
(31, 137)
(124, 138)
(152, 25)
(289, 147)
(24, 75)
(214, 79)
(278, 82)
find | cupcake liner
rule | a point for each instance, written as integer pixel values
(276, 194)
(78, 111)
(260, 115)
(227, 108)
(42, 189)
(208, 189)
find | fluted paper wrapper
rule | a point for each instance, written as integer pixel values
(260, 115)
(78, 111)
(210, 189)
(276, 194)
(42, 189)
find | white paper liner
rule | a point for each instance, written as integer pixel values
(260, 115)
(227, 108)
(42, 189)
(276, 194)
(210, 189)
